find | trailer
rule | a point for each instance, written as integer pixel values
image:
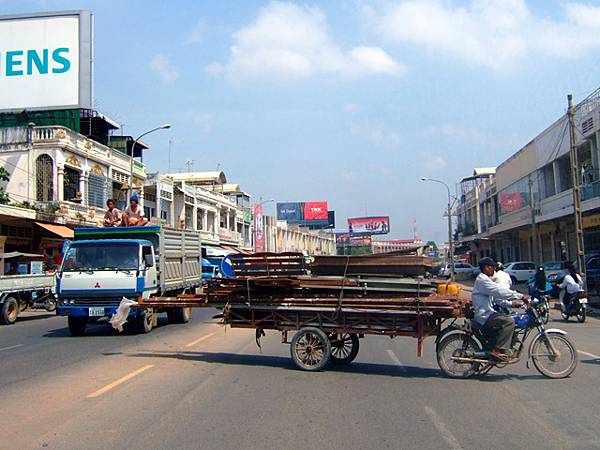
(328, 314)
(104, 265)
(28, 290)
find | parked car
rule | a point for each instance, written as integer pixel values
(592, 275)
(554, 267)
(435, 270)
(520, 271)
(459, 268)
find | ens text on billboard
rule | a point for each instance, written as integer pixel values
(29, 62)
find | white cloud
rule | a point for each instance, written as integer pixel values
(161, 65)
(376, 134)
(498, 34)
(203, 121)
(459, 132)
(351, 108)
(432, 163)
(197, 34)
(287, 41)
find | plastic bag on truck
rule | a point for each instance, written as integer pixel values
(119, 318)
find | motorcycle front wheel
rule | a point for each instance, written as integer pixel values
(457, 345)
(554, 365)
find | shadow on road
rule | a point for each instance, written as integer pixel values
(31, 317)
(286, 363)
(99, 329)
(593, 361)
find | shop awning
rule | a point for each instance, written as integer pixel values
(59, 230)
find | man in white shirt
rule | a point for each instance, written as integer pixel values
(487, 294)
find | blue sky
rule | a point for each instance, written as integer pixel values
(347, 101)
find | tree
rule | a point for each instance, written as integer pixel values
(4, 176)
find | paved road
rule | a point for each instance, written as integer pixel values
(201, 386)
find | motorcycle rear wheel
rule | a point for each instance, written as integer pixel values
(581, 314)
(552, 366)
(456, 345)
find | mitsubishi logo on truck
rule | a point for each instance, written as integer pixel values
(97, 285)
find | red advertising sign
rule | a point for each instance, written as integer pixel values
(315, 211)
(259, 238)
(510, 201)
(369, 225)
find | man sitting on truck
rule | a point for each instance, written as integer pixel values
(487, 294)
(112, 217)
(134, 214)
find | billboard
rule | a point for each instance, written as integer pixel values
(369, 225)
(259, 237)
(350, 240)
(290, 212)
(314, 215)
(46, 61)
(315, 211)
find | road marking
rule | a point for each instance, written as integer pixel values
(396, 360)
(10, 348)
(121, 380)
(442, 429)
(191, 344)
(591, 355)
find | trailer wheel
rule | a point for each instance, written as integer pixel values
(179, 315)
(9, 311)
(310, 349)
(77, 325)
(344, 348)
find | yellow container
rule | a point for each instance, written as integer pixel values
(449, 289)
(442, 288)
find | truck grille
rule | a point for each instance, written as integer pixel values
(98, 301)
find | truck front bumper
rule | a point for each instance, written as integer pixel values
(84, 311)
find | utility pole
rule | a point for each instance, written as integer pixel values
(576, 190)
(534, 237)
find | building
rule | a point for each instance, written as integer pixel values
(281, 236)
(60, 179)
(396, 245)
(532, 190)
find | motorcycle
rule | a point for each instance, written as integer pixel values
(577, 307)
(464, 350)
(45, 299)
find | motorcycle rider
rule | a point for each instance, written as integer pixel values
(572, 283)
(486, 294)
(539, 284)
(501, 277)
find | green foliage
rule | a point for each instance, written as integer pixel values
(4, 176)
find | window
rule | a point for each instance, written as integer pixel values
(146, 251)
(71, 185)
(516, 196)
(529, 266)
(564, 172)
(546, 175)
(44, 179)
(98, 190)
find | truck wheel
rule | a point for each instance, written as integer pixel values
(179, 315)
(310, 349)
(145, 323)
(9, 311)
(77, 325)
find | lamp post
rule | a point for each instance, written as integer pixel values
(165, 126)
(450, 240)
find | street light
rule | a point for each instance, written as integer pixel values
(450, 242)
(165, 126)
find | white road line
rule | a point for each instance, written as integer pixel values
(442, 429)
(396, 360)
(191, 344)
(591, 355)
(121, 380)
(10, 348)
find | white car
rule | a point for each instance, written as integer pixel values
(520, 271)
(458, 268)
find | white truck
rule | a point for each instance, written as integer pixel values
(22, 291)
(103, 265)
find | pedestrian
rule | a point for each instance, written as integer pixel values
(113, 217)
(134, 214)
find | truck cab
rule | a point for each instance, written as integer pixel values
(104, 265)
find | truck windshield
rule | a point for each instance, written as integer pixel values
(101, 256)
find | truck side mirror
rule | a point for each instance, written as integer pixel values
(149, 260)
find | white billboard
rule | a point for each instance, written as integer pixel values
(45, 61)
